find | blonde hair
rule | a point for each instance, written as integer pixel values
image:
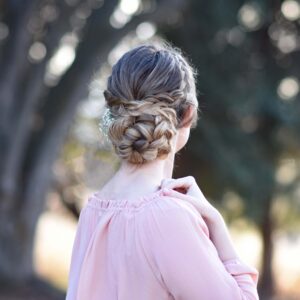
(147, 95)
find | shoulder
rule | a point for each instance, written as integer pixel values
(173, 212)
(171, 225)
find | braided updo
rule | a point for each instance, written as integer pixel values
(147, 94)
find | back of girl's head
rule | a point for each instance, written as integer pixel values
(147, 94)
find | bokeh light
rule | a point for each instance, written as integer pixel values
(37, 52)
(129, 7)
(123, 13)
(250, 17)
(291, 9)
(287, 43)
(62, 59)
(288, 88)
(145, 30)
(118, 19)
(287, 171)
(235, 36)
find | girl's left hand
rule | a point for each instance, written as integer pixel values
(186, 189)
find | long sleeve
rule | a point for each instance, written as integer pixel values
(86, 224)
(189, 264)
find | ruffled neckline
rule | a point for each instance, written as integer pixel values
(101, 202)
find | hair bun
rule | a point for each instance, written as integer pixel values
(142, 131)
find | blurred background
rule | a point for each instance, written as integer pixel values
(55, 56)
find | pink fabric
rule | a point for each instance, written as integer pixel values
(154, 248)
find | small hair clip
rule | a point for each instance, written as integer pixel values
(105, 121)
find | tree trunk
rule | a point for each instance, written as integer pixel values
(266, 283)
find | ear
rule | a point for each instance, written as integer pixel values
(188, 116)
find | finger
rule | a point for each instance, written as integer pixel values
(172, 193)
(165, 181)
(184, 197)
(184, 182)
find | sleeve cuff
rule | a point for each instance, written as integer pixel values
(237, 267)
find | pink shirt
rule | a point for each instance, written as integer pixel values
(153, 248)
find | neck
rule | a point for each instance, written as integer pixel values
(132, 180)
(150, 173)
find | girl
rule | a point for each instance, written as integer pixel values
(144, 235)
